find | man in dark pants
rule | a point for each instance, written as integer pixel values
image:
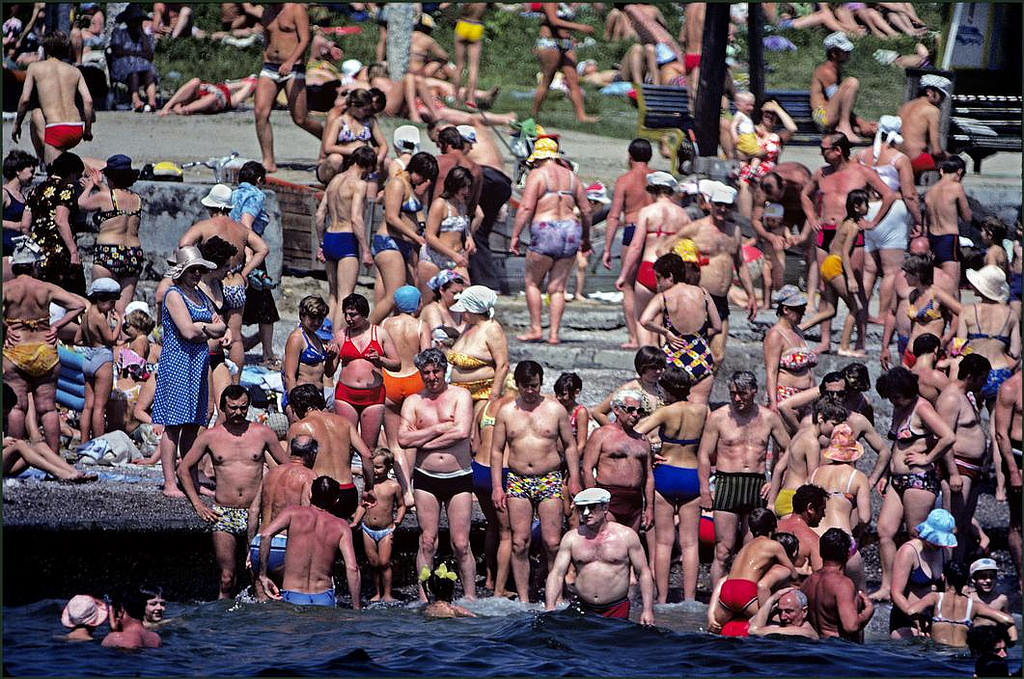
(495, 192)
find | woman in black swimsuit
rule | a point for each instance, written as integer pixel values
(18, 170)
(118, 252)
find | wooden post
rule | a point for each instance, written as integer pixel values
(755, 48)
(708, 104)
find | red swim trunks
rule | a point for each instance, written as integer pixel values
(737, 594)
(736, 628)
(64, 136)
(923, 163)
(618, 609)
(690, 62)
(627, 503)
(909, 359)
(645, 276)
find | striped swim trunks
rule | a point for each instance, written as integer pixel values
(738, 492)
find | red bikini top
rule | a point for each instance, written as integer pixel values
(350, 353)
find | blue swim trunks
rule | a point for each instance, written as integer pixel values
(339, 245)
(558, 238)
(678, 485)
(996, 377)
(325, 598)
(482, 478)
(277, 548)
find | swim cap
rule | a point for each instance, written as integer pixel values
(407, 298)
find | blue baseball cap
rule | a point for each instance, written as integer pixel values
(326, 331)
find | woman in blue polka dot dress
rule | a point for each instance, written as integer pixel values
(189, 321)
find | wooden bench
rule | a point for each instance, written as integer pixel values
(797, 104)
(983, 125)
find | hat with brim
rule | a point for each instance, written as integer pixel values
(120, 164)
(219, 198)
(598, 193)
(107, 287)
(406, 139)
(985, 564)
(476, 299)
(662, 179)
(791, 296)
(724, 195)
(83, 609)
(843, 446)
(186, 258)
(132, 13)
(938, 528)
(592, 496)
(544, 149)
(138, 305)
(990, 282)
(943, 85)
(467, 132)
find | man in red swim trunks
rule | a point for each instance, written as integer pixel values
(602, 552)
(58, 126)
(921, 139)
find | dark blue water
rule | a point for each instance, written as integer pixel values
(245, 639)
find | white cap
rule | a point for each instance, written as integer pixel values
(592, 496)
(724, 194)
(689, 188)
(662, 179)
(938, 82)
(406, 139)
(838, 40)
(219, 197)
(467, 132)
(707, 186)
(351, 67)
(103, 286)
(985, 564)
(774, 210)
(582, 66)
(138, 305)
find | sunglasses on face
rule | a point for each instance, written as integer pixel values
(630, 410)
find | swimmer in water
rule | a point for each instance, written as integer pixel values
(126, 629)
(441, 585)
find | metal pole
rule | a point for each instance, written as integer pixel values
(708, 104)
(954, 27)
(755, 46)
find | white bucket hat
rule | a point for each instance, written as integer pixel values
(219, 197)
(990, 281)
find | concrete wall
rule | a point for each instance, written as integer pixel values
(170, 208)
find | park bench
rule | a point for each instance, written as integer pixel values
(982, 125)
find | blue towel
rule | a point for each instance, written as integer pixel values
(619, 89)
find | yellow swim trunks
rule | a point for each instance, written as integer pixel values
(747, 144)
(784, 502)
(820, 117)
(469, 30)
(35, 359)
(831, 268)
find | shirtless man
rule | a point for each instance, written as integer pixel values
(316, 535)
(782, 186)
(31, 362)
(603, 553)
(127, 631)
(922, 142)
(930, 380)
(453, 155)
(495, 191)
(341, 227)
(946, 205)
(336, 437)
(833, 96)
(759, 565)
(719, 239)
(808, 510)
(621, 458)
(692, 35)
(1009, 434)
(218, 202)
(835, 608)
(735, 442)
(790, 606)
(824, 202)
(957, 406)
(658, 225)
(803, 456)
(286, 30)
(59, 126)
(438, 422)
(659, 50)
(237, 448)
(629, 196)
(285, 485)
(535, 429)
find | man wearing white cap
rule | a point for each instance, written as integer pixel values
(832, 95)
(602, 552)
(218, 201)
(921, 139)
(657, 227)
(719, 239)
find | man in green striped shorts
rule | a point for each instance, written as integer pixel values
(735, 442)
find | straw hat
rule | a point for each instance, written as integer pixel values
(990, 281)
(544, 149)
(843, 446)
(186, 258)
